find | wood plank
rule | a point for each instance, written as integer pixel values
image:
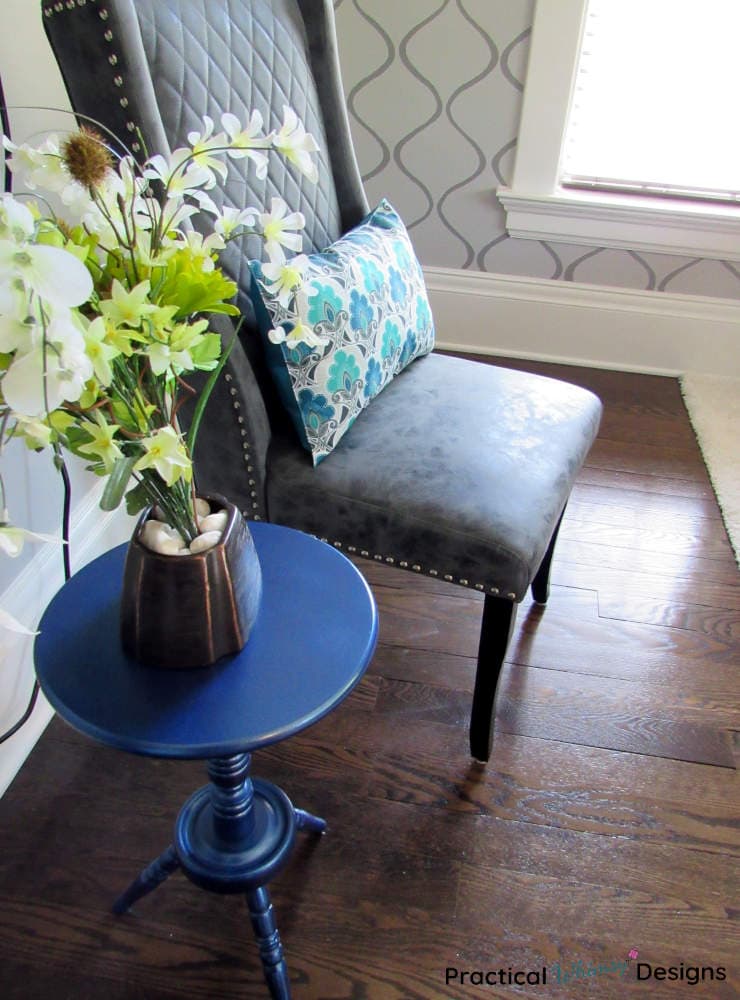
(571, 708)
(596, 567)
(633, 479)
(576, 710)
(722, 622)
(687, 568)
(651, 537)
(678, 509)
(578, 915)
(700, 665)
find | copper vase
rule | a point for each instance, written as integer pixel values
(189, 611)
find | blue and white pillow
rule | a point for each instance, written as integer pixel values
(365, 297)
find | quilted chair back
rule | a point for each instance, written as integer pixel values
(147, 71)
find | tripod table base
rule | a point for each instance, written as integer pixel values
(234, 835)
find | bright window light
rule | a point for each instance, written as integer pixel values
(655, 103)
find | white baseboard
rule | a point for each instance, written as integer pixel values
(594, 325)
(92, 532)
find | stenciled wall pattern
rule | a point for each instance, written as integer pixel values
(434, 89)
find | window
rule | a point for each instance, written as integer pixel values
(564, 190)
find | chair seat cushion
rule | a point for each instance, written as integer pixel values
(459, 469)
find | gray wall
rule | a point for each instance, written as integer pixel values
(434, 89)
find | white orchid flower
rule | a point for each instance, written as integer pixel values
(230, 220)
(39, 166)
(16, 219)
(202, 248)
(205, 144)
(302, 333)
(36, 433)
(11, 624)
(119, 187)
(12, 538)
(76, 200)
(285, 278)
(56, 275)
(248, 142)
(16, 334)
(176, 211)
(278, 230)
(204, 202)
(149, 255)
(296, 144)
(19, 317)
(179, 174)
(54, 371)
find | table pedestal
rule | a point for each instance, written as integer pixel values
(234, 835)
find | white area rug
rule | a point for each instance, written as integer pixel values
(713, 402)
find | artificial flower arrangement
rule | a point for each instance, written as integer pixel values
(103, 307)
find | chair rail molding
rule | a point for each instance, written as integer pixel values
(598, 326)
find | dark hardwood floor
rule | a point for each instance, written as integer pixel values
(606, 820)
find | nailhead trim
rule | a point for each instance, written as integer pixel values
(255, 513)
(417, 568)
(118, 81)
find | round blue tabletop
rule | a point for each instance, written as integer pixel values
(314, 637)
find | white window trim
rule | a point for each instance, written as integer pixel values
(538, 208)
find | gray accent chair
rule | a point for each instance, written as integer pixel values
(458, 469)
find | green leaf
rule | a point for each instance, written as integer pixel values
(117, 482)
(205, 353)
(137, 499)
(193, 290)
(207, 390)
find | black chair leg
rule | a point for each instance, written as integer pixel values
(499, 616)
(541, 582)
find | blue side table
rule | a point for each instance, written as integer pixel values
(313, 639)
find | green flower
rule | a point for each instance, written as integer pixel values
(102, 446)
(127, 308)
(166, 454)
(100, 351)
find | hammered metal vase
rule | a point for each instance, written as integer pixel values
(189, 611)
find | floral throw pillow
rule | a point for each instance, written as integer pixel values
(362, 314)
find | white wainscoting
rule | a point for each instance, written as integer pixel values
(582, 324)
(92, 532)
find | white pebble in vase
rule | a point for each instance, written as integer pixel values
(213, 522)
(202, 508)
(160, 537)
(205, 541)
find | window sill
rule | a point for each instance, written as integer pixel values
(626, 222)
